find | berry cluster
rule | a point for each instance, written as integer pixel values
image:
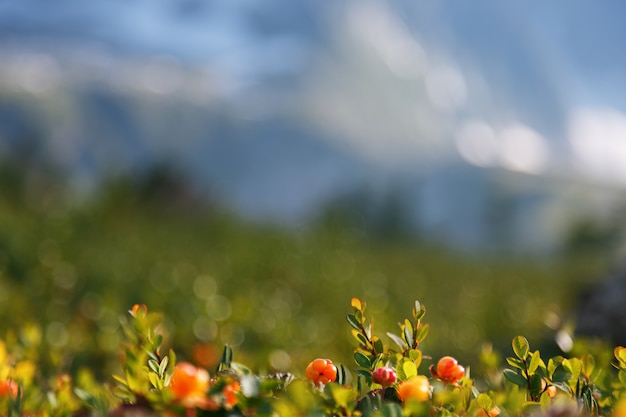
(448, 370)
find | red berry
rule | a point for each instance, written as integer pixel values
(384, 376)
(321, 371)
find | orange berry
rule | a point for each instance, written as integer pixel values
(321, 371)
(494, 412)
(189, 383)
(416, 387)
(230, 393)
(8, 387)
(448, 370)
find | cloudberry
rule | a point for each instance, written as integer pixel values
(8, 387)
(448, 370)
(384, 376)
(189, 384)
(230, 393)
(416, 387)
(321, 371)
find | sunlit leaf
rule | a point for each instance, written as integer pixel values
(422, 333)
(484, 401)
(520, 347)
(533, 364)
(409, 368)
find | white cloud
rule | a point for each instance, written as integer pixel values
(598, 140)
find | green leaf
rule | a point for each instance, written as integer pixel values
(621, 376)
(589, 364)
(409, 368)
(368, 331)
(342, 395)
(417, 307)
(560, 375)
(514, 377)
(398, 340)
(535, 384)
(378, 345)
(484, 401)
(416, 356)
(515, 363)
(366, 374)
(408, 332)
(422, 333)
(353, 321)
(341, 374)
(359, 337)
(154, 380)
(163, 365)
(520, 347)
(535, 360)
(545, 401)
(573, 366)
(391, 410)
(362, 360)
(154, 366)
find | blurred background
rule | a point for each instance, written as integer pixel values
(246, 168)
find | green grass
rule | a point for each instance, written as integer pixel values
(68, 271)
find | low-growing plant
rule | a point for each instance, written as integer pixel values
(386, 380)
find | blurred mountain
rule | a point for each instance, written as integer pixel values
(487, 124)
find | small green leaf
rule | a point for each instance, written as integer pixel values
(398, 340)
(573, 366)
(535, 359)
(589, 364)
(408, 332)
(154, 366)
(359, 337)
(515, 363)
(416, 356)
(368, 331)
(417, 307)
(378, 345)
(342, 395)
(409, 368)
(484, 401)
(154, 380)
(353, 322)
(520, 347)
(362, 360)
(163, 365)
(422, 333)
(514, 377)
(545, 401)
(560, 374)
(341, 374)
(535, 385)
(391, 410)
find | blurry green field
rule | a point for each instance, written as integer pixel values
(67, 272)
